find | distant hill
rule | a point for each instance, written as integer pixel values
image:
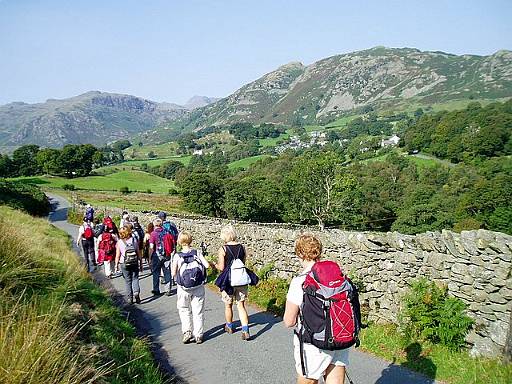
(378, 78)
(93, 117)
(200, 101)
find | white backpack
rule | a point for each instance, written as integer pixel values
(238, 273)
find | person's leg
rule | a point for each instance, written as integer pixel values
(185, 313)
(128, 282)
(136, 286)
(155, 269)
(197, 304)
(92, 256)
(167, 277)
(304, 380)
(242, 313)
(228, 312)
(86, 254)
(335, 374)
(108, 268)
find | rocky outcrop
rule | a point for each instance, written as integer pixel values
(476, 266)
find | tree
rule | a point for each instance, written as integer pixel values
(310, 189)
(24, 159)
(169, 169)
(48, 160)
(6, 166)
(203, 193)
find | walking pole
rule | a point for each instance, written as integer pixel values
(348, 377)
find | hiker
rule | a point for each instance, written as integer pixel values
(169, 227)
(89, 213)
(107, 246)
(319, 362)
(98, 229)
(127, 256)
(189, 271)
(147, 235)
(125, 218)
(86, 238)
(230, 251)
(138, 233)
(159, 258)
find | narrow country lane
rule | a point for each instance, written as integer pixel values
(224, 358)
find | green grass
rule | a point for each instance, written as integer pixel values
(58, 326)
(342, 122)
(132, 201)
(160, 150)
(245, 163)
(135, 164)
(272, 141)
(134, 180)
(435, 361)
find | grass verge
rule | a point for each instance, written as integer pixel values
(56, 325)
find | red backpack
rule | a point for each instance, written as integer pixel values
(88, 232)
(106, 247)
(330, 312)
(166, 245)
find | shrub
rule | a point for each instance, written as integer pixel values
(431, 314)
(23, 196)
(68, 187)
(124, 190)
(173, 191)
(149, 190)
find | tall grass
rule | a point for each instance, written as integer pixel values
(56, 325)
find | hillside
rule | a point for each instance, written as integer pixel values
(93, 117)
(377, 78)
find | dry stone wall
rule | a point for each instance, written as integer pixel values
(475, 265)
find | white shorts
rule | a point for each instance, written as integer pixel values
(317, 360)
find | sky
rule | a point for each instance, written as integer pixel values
(171, 50)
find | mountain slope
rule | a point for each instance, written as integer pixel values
(93, 117)
(378, 78)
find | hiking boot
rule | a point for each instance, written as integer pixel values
(199, 339)
(168, 293)
(156, 293)
(137, 299)
(245, 335)
(187, 337)
(228, 329)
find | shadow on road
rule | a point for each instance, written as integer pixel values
(395, 374)
(263, 318)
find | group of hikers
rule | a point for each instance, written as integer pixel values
(321, 304)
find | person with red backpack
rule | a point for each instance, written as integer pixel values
(86, 239)
(107, 241)
(323, 306)
(162, 246)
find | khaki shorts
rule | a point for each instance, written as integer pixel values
(239, 294)
(317, 360)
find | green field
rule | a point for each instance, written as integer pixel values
(135, 164)
(272, 141)
(245, 163)
(160, 151)
(134, 180)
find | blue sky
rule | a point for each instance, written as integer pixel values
(172, 50)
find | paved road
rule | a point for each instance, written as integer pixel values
(224, 358)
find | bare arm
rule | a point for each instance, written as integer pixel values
(291, 313)
(118, 255)
(221, 259)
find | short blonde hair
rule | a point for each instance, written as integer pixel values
(157, 222)
(125, 232)
(308, 247)
(184, 238)
(228, 233)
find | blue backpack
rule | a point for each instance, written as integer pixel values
(89, 214)
(191, 271)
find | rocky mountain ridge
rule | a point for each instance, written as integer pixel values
(377, 78)
(93, 117)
